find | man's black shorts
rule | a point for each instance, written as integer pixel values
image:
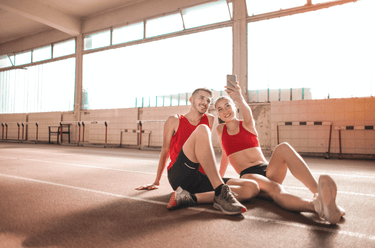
(256, 169)
(186, 174)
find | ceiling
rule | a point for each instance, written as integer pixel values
(21, 18)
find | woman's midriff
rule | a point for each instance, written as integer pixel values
(246, 158)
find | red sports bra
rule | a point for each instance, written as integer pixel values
(238, 142)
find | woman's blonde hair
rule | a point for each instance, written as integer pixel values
(224, 97)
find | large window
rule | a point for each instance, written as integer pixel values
(192, 17)
(205, 14)
(23, 58)
(41, 88)
(330, 51)
(42, 53)
(164, 25)
(64, 48)
(97, 40)
(6, 61)
(128, 33)
(126, 77)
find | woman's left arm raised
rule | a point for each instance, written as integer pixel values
(236, 93)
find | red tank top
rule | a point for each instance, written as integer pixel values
(185, 129)
(238, 142)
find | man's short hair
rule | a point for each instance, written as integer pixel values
(203, 89)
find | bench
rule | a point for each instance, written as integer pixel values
(59, 130)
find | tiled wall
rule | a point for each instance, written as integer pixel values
(315, 139)
(117, 119)
(305, 139)
(12, 120)
(156, 128)
(44, 121)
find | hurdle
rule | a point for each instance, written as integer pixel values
(83, 123)
(140, 136)
(140, 131)
(308, 123)
(146, 121)
(21, 134)
(2, 133)
(339, 128)
(18, 125)
(6, 125)
(23, 130)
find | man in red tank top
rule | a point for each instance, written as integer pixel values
(192, 172)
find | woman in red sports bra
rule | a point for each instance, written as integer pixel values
(240, 148)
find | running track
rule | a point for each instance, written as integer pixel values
(68, 196)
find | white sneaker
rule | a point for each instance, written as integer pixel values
(325, 200)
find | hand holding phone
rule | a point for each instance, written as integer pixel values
(233, 79)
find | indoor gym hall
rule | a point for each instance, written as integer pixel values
(100, 68)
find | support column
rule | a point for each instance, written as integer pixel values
(240, 44)
(78, 88)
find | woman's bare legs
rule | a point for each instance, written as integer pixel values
(275, 191)
(284, 157)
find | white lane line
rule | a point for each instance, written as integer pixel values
(153, 161)
(344, 175)
(81, 165)
(341, 192)
(153, 173)
(248, 217)
(86, 155)
(84, 189)
(316, 228)
(125, 160)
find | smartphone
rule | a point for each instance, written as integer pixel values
(232, 78)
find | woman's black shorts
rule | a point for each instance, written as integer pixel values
(256, 169)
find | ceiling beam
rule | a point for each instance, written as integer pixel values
(44, 14)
